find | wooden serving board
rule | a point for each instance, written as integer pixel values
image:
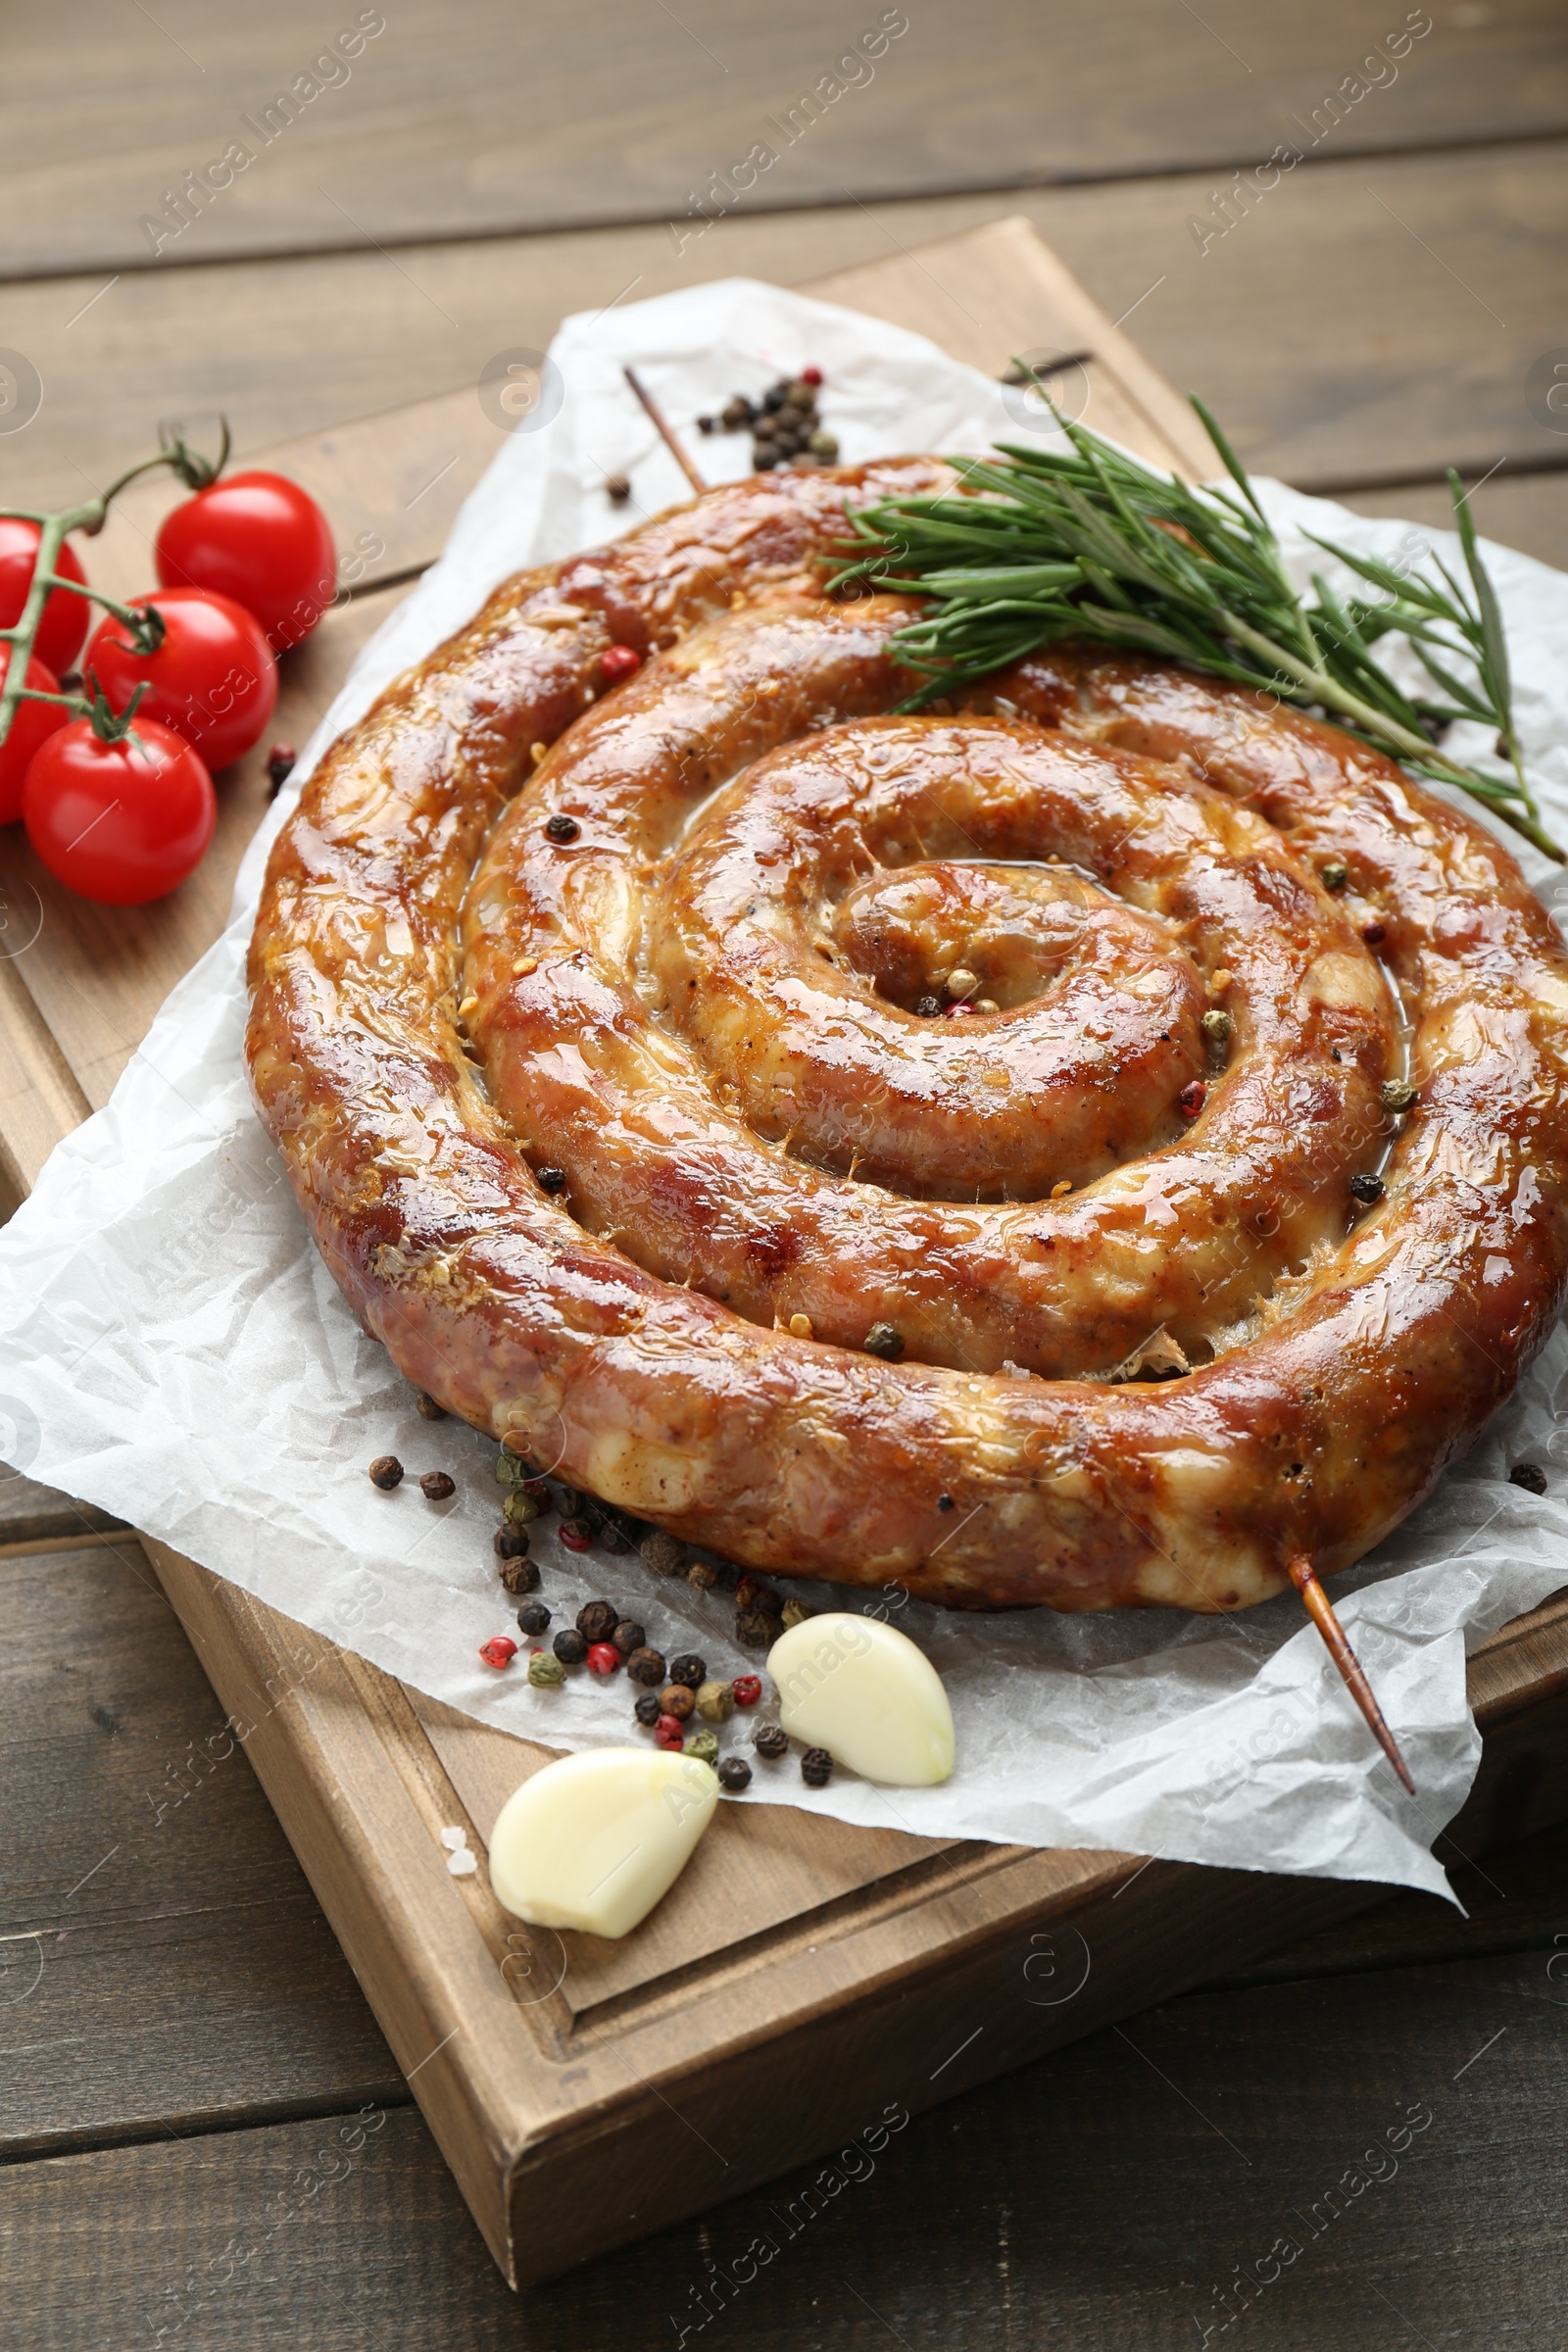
(808, 1979)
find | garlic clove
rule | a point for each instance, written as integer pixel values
(594, 1839)
(863, 1691)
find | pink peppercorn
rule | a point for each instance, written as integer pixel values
(746, 1690)
(670, 1732)
(576, 1534)
(1190, 1102)
(811, 375)
(619, 661)
(499, 1650)
(604, 1658)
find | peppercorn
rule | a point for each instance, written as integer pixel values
(661, 1553)
(677, 1699)
(520, 1574)
(884, 1340)
(772, 1740)
(1374, 934)
(746, 1690)
(704, 1745)
(545, 1672)
(1335, 874)
(619, 661)
(1529, 1476)
(1190, 1102)
(437, 1487)
(796, 1614)
(596, 1620)
(800, 393)
(1216, 1025)
(561, 827)
(533, 1617)
(1367, 1188)
(386, 1472)
(427, 1408)
(1398, 1093)
(772, 400)
(280, 765)
(603, 1658)
(689, 1669)
(646, 1665)
(520, 1507)
(617, 488)
(812, 377)
(510, 1471)
(715, 1702)
(946, 1502)
(551, 1180)
(736, 412)
(816, 1768)
(616, 1536)
(763, 458)
(645, 1707)
(734, 1773)
(752, 1593)
(928, 1007)
(824, 445)
(701, 1576)
(629, 1635)
(669, 1732)
(754, 1630)
(569, 1646)
(510, 1543)
(576, 1534)
(499, 1650)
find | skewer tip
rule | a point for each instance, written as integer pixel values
(1321, 1611)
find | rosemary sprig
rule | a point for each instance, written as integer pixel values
(1038, 545)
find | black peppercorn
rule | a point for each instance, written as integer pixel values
(764, 457)
(661, 1553)
(1374, 934)
(752, 1593)
(617, 488)
(772, 1740)
(646, 1665)
(519, 1576)
(754, 1629)
(688, 1669)
(280, 765)
(1529, 1476)
(945, 1502)
(615, 1535)
(629, 1635)
(569, 1646)
(533, 1617)
(883, 1340)
(437, 1487)
(511, 1542)
(551, 1180)
(930, 1008)
(816, 1768)
(646, 1709)
(596, 1620)
(386, 1472)
(734, 1773)
(427, 1408)
(562, 828)
(736, 412)
(1367, 1188)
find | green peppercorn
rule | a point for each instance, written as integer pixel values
(1398, 1093)
(1216, 1026)
(796, 1614)
(545, 1672)
(824, 445)
(715, 1702)
(1335, 874)
(704, 1747)
(518, 1508)
(511, 1469)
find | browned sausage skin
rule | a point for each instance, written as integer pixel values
(705, 1007)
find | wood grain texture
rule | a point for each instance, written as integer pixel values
(548, 116)
(1103, 2197)
(1526, 511)
(1331, 339)
(163, 1965)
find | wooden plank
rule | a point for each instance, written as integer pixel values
(1097, 2198)
(1527, 510)
(163, 1965)
(33, 1514)
(444, 126)
(1286, 325)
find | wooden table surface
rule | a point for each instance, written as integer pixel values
(209, 2144)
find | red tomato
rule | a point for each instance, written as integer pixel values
(30, 725)
(64, 617)
(120, 823)
(213, 679)
(259, 539)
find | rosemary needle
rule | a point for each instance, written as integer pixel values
(1038, 545)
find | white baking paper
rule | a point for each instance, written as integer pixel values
(171, 1348)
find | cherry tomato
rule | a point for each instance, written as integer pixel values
(259, 539)
(30, 725)
(120, 822)
(64, 617)
(213, 679)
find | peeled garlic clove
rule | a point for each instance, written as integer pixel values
(863, 1691)
(594, 1839)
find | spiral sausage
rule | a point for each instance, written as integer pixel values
(682, 952)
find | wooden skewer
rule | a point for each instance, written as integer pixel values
(1320, 1610)
(662, 428)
